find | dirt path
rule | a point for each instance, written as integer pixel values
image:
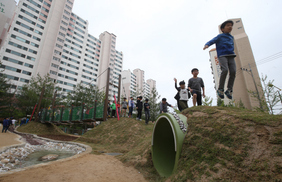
(100, 168)
(7, 139)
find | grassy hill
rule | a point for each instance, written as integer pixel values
(222, 144)
(40, 129)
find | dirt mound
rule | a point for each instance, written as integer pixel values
(230, 144)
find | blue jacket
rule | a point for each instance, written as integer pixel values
(6, 122)
(224, 44)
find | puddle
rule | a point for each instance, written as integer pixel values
(34, 158)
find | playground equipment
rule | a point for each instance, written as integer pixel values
(73, 113)
(168, 135)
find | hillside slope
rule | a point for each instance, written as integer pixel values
(222, 144)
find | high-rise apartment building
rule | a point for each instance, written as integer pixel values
(128, 84)
(134, 83)
(45, 36)
(7, 9)
(110, 58)
(244, 82)
(140, 80)
(152, 84)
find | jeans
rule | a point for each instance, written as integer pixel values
(139, 113)
(5, 128)
(147, 116)
(130, 111)
(227, 63)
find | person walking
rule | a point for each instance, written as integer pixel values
(147, 111)
(6, 124)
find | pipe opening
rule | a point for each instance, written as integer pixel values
(164, 149)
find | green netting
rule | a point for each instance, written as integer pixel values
(48, 115)
(57, 114)
(99, 111)
(88, 112)
(76, 113)
(66, 114)
(42, 115)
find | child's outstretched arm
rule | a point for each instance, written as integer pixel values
(211, 42)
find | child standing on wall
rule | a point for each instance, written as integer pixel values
(225, 53)
(194, 85)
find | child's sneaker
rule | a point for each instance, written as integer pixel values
(220, 93)
(228, 93)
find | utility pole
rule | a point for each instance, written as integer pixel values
(39, 103)
(256, 87)
(119, 87)
(107, 95)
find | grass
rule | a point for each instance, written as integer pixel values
(221, 145)
(40, 129)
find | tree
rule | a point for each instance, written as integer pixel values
(207, 101)
(85, 94)
(154, 104)
(7, 96)
(272, 95)
(29, 94)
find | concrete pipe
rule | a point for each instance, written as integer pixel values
(167, 140)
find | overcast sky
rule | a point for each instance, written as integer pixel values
(165, 37)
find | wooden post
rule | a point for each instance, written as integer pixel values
(39, 103)
(94, 110)
(107, 96)
(53, 106)
(119, 88)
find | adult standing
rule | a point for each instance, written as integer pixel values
(6, 124)
(131, 107)
(124, 107)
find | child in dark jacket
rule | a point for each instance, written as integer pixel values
(225, 53)
(182, 96)
(139, 107)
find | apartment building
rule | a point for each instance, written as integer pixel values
(46, 37)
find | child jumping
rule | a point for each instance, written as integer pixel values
(225, 53)
(194, 85)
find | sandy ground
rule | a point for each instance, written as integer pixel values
(90, 167)
(7, 139)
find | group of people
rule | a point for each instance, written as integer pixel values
(226, 56)
(11, 122)
(195, 89)
(7, 122)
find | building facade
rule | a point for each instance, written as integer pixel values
(133, 84)
(7, 9)
(244, 82)
(152, 84)
(140, 80)
(128, 84)
(46, 37)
